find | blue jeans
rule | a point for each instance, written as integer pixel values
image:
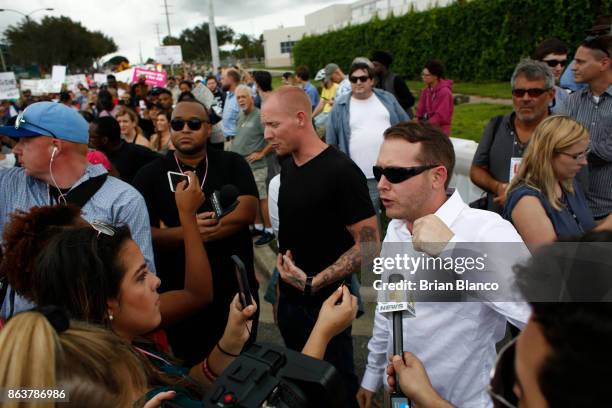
(296, 321)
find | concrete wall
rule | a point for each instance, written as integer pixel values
(273, 40)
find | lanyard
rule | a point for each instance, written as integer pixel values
(153, 355)
(205, 171)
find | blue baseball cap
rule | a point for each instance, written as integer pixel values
(49, 119)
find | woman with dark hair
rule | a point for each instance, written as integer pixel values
(105, 104)
(436, 101)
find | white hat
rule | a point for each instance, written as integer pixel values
(320, 75)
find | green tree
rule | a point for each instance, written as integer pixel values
(55, 40)
(248, 46)
(195, 42)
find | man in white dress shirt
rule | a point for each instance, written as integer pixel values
(455, 340)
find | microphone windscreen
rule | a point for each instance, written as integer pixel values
(228, 194)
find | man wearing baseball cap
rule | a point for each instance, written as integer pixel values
(52, 151)
(335, 74)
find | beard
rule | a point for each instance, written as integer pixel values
(225, 87)
(192, 150)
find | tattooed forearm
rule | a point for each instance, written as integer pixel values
(367, 246)
(348, 263)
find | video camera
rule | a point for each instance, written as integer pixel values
(267, 375)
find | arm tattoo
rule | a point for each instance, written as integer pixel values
(366, 248)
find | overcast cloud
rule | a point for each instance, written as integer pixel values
(132, 23)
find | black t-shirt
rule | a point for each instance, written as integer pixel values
(316, 203)
(130, 158)
(193, 338)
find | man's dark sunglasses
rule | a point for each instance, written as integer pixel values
(362, 78)
(553, 62)
(193, 124)
(398, 174)
(532, 92)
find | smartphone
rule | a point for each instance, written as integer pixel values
(243, 282)
(174, 178)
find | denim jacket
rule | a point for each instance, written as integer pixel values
(338, 127)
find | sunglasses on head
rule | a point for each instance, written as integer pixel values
(103, 228)
(193, 124)
(398, 174)
(532, 92)
(362, 78)
(21, 121)
(553, 62)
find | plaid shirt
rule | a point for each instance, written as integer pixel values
(596, 117)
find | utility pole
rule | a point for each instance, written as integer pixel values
(157, 31)
(212, 32)
(167, 17)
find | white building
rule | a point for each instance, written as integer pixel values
(279, 43)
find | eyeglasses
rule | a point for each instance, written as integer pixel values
(102, 228)
(362, 78)
(503, 378)
(398, 174)
(193, 124)
(532, 92)
(578, 156)
(553, 62)
(21, 121)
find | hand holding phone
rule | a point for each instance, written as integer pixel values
(244, 290)
(174, 178)
(188, 195)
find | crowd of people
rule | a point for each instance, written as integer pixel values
(119, 285)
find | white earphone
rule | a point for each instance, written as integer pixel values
(54, 152)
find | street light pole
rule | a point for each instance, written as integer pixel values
(27, 16)
(212, 33)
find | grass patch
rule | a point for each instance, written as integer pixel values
(500, 90)
(469, 120)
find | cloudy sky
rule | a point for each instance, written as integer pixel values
(131, 23)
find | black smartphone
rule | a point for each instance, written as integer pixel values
(243, 282)
(174, 178)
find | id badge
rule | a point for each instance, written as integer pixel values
(515, 163)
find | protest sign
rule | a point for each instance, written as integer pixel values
(169, 54)
(8, 86)
(152, 78)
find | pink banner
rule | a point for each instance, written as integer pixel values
(153, 78)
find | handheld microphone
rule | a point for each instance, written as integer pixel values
(224, 201)
(398, 303)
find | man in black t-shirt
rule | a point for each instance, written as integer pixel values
(327, 225)
(126, 158)
(194, 337)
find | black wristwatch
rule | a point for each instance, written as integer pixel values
(308, 286)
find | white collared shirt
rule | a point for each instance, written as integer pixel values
(455, 341)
